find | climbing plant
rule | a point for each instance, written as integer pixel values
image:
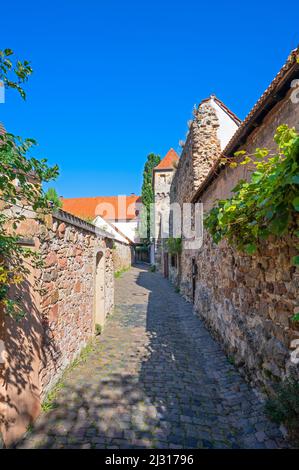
(267, 204)
(147, 193)
(21, 178)
(174, 245)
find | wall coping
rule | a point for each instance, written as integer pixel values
(71, 219)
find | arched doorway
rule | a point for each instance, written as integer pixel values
(100, 289)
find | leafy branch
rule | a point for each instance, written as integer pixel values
(268, 204)
(21, 178)
(14, 75)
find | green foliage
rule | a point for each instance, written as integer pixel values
(88, 219)
(21, 178)
(53, 198)
(266, 205)
(283, 408)
(296, 317)
(98, 329)
(119, 273)
(14, 75)
(50, 402)
(147, 194)
(174, 245)
(153, 268)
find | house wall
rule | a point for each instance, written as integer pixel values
(162, 184)
(123, 256)
(247, 301)
(59, 301)
(129, 228)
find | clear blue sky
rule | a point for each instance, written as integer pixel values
(115, 80)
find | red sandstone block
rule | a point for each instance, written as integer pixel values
(51, 259)
(78, 286)
(62, 262)
(53, 313)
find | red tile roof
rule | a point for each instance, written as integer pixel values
(169, 161)
(108, 207)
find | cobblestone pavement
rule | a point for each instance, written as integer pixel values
(156, 379)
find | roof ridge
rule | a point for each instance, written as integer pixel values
(168, 160)
(223, 107)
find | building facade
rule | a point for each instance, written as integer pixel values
(162, 179)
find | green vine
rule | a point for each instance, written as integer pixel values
(268, 204)
(174, 245)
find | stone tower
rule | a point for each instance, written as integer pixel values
(162, 178)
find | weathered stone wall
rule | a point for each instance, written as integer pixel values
(246, 301)
(59, 300)
(123, 255)
(162, 184)
(201, 149)
(68, 285)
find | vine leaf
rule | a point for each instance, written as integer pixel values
(295, 203)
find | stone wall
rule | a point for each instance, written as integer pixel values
(123, 255)
(60, 304)
(246, 301)
(201, 149)
(162, 183)
(68, 285)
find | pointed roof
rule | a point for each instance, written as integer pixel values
(169, 161)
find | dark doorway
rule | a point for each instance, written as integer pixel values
(166, 267)
(194, 275)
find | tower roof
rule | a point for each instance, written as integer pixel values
(169, 161)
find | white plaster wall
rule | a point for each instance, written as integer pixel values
(104, 225)
(227, 126)
(129, 228)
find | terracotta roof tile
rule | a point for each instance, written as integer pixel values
(169, 161)
(108, 207)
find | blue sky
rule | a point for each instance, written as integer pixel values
(114, 81)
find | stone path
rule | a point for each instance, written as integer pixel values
(156, 379)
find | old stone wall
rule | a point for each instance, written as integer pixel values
(246, 301)
(60, 304)
(201, 149)
(162, 183)
(68, 292)
(123, 255)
